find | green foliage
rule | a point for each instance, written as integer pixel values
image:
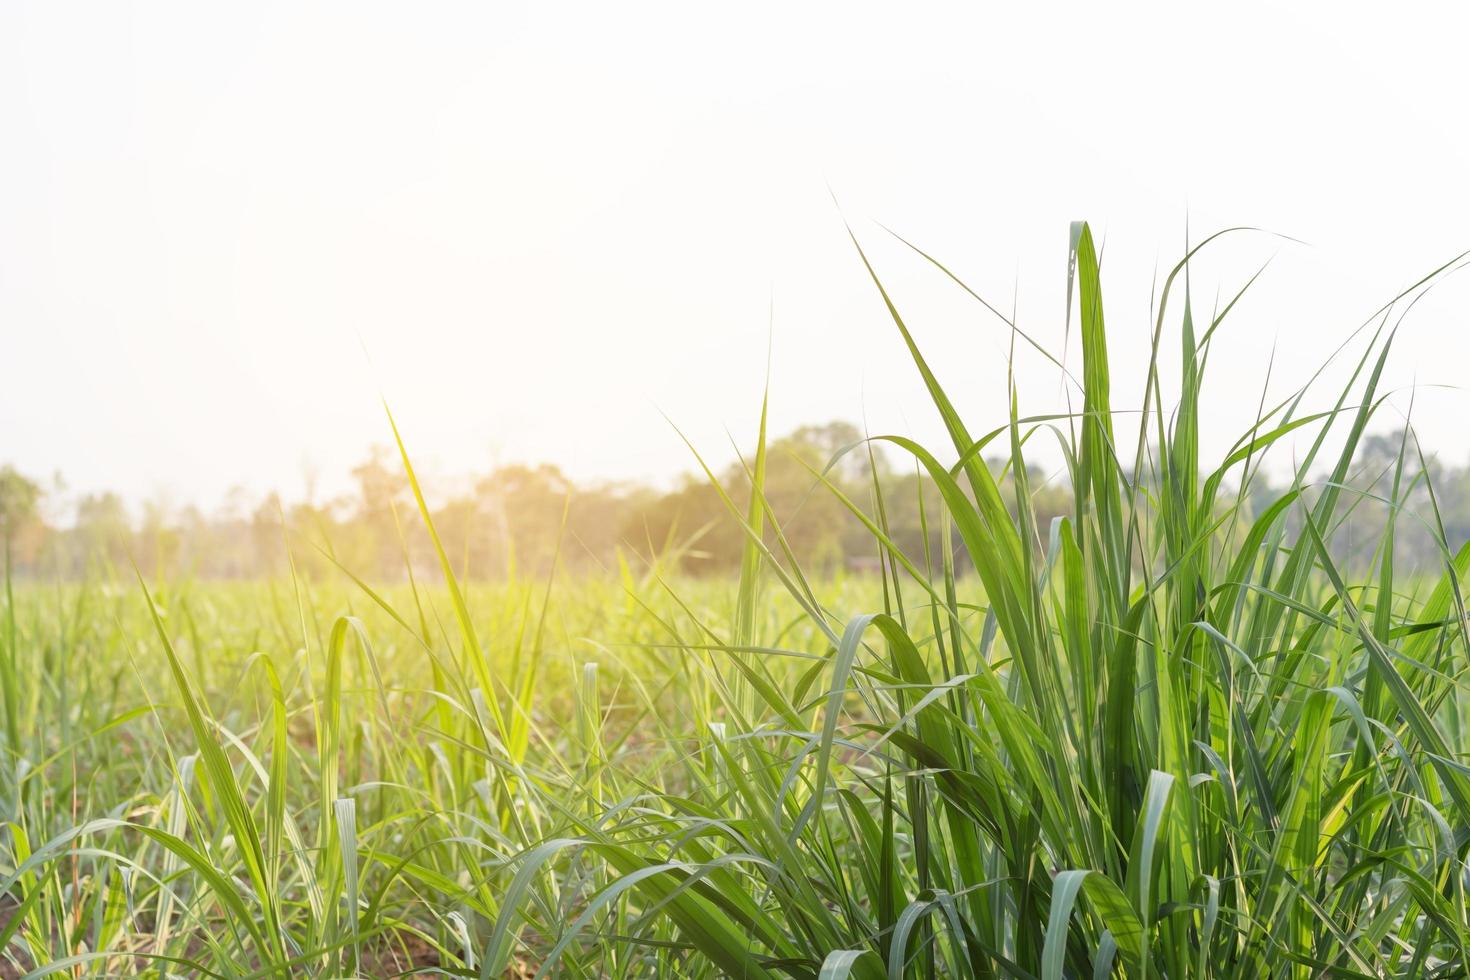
(1164, 729)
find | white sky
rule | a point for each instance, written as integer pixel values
(545, 223)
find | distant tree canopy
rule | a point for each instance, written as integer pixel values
(20, 522)
(524, 520)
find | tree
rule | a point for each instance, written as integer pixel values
(20, 523)
(102, 529)
(524, 506)
(382, 502)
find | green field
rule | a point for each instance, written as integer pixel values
(1170, 734)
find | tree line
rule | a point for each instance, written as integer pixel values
(521, 520)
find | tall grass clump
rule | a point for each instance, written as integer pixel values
(1165, 735)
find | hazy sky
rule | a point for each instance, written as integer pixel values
(226, 229)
